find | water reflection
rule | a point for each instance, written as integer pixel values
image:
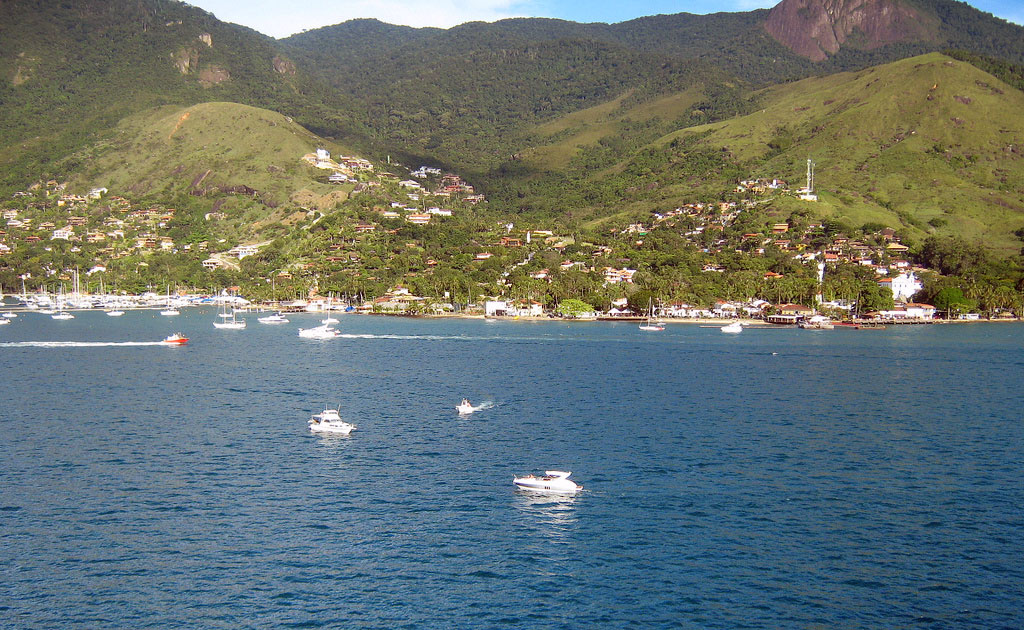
(552, 515)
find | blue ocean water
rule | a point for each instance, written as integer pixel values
(774, 479)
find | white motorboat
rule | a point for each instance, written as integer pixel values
(552, 482)
(465, 407)
(319, 332)
(177, 339)
(329, 421)
(735, 327)
(62, 315)
(4, 321)
(276, 318)
(115, 313)
(10, 315)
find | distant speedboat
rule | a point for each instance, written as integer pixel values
(276, 318)
(465, 407)
(177, 339)
(329, 421)
(553, 482)
(319, 332)
(734, 327)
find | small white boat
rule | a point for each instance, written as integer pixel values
(276, 318)
(329, 320)
(552, 482)
(319, 332)
(62, 315)
(10, 315)
(170, 312)
(4, 321)
(735, 327)
(465, 407)
(115, 313)
(329, 421)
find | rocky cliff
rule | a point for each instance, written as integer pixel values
(818, 28)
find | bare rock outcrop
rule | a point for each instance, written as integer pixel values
(818, 28)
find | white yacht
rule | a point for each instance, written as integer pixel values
(275, 318)
(319, 332)
(10, 315)
(114, 313)
(552, 482)
(735, 327)
(62, 315)
(329, 421)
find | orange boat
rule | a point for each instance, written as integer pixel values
(177, 339)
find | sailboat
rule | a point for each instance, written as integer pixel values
(329, 320)
(170, 311)
(61, 313)
(651, 323)
(228, 321)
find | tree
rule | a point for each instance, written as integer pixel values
(572, 307)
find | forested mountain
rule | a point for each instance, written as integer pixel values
(507, 104)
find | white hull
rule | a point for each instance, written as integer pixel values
(465, 409)
(273, 319)
(237, 325)
(732, 328)
(115, 313)
(553, 482)
(342, 428)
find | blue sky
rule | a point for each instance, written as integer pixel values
(280, 18)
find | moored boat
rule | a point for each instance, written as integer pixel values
(275, 318)
(817, 322)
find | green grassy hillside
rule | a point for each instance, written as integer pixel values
(245, 161)
(926, 144)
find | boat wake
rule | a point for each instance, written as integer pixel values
(77, 344)
(487, 404)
